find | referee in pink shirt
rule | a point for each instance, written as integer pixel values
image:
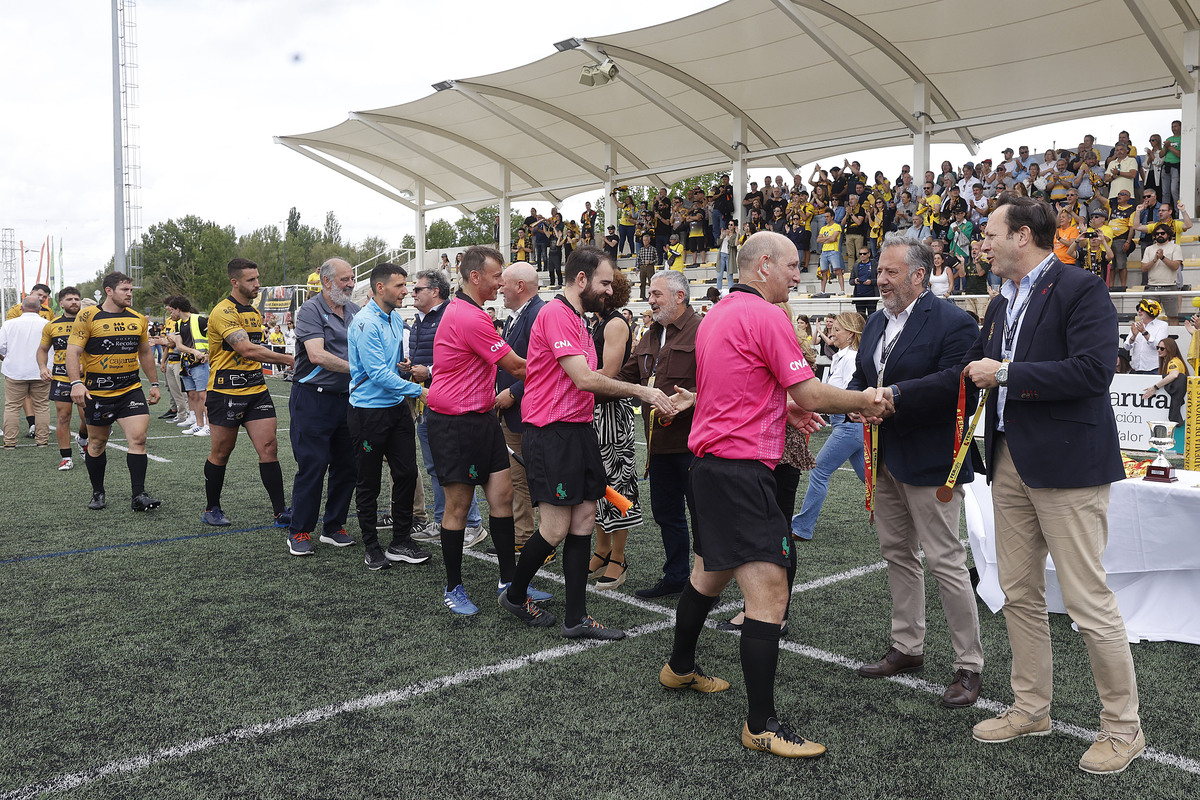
(562, 457)
(465, 438)
(748, 363)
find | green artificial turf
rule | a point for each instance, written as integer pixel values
(220, 666)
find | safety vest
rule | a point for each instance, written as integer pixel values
(199, 340)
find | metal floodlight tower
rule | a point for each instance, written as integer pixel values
(127, 165)
(10, 293)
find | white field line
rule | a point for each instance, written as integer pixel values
(370, 702)
(373, 701)
(112, 443)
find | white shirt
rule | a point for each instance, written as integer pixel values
(842, 369)
(1143, 348)
(895, 324)
(19, 341)
(1018, 297)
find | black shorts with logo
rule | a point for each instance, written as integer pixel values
(563, 464)
(235, 410)
(466, 448)
(735, 516)
(60, 391)
(104, 411)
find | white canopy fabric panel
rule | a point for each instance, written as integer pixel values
(807, 78)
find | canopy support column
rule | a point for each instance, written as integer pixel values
(503, 225)
(1190, 119)
(921, 136)
(739, 170)
(610, 198)
(420, 254)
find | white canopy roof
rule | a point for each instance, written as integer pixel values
(776, 82)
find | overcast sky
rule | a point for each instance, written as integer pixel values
(218, 79)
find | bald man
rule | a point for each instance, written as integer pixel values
(519, 287)
(319, 403)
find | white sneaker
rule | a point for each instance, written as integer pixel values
(66, 464)
(191, 431)
(429, 532)
(82, 442)
(190, 420)
(473, 535)
(201, 431)
(31, 430)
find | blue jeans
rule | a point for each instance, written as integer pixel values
(724, 267)
(845, 442)
(831, 260)
(668, 504)
(718, 225)
(439, 495)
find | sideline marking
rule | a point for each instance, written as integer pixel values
(75, 780)
(131, 544)
(112, 443)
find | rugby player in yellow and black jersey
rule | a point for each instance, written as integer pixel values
(237, 392)
(107, 344)
(55, 336)
(41, 290)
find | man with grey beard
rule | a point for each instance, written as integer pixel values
(665, 357)
(319, 402)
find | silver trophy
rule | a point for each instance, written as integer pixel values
(1162, 439)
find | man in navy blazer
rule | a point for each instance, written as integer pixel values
(1048, 350)
(917, 335)
(520, 288)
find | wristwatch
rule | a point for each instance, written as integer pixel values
(1002, 375)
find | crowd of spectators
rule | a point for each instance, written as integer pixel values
(1110, 200)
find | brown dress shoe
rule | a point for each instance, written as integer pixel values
(893, 663)
(964, 691)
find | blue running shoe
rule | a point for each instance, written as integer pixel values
(300, 544)
(338, 538)
(215, 516)
(457, 601)
(283, 518)
(531, 593)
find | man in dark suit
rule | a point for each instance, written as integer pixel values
(918, 335)
(520, 288)
(1048, 349)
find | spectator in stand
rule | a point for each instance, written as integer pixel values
(1064, 236)
(1145, 332)
(1152, 162)
(978, 206)
(696, 239)
(729, 242)
(1059, 182)
(1123, 211)
(877, 214)
(1161, 263)
(855, 228)
(906, 212)
(862, 278)
(722, 207)
(830, 239)
(967, 181)
(1089, 182)
(587, 223)
(750, 196)
(610, 242)
(959, 236)
(541, 240)
(947, 172)
(1121, 171)
(1170, 173)
(1091, 248)
(1166, 218)
(647, 261)
(627, 218)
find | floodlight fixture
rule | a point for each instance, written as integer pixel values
(567, 44)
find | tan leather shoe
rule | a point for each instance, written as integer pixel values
(964, 691)
(893, 663)
(1011, 724)
(1110, 755)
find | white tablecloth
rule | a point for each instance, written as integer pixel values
(1152, 560)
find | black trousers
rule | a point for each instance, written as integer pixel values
(381, 433)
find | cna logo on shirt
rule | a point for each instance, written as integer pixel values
(796, 366)
(497, 346)
(561, 343)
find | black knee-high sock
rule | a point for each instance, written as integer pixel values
(577, 551)
(689, 621)
(533, 555)
(95, 468)
(452, 546)
(272, 479)
(137, 471)
(504, 535)
(760, 655)
(214, 482)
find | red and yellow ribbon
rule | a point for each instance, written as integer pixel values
(962, 443)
